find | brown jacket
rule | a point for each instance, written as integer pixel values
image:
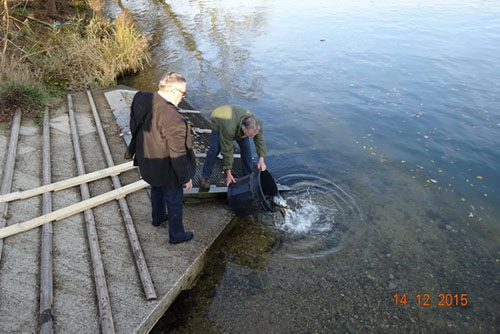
(164, 148)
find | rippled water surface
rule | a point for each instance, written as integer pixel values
(383, 118)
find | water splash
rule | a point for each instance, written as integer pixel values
(303, 216)
(318, 217)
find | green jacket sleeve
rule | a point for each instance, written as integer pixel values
(226, 148)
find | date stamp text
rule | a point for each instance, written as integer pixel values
(425, 299)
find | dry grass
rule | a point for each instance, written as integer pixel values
(96, 5)
(20, 86)
(40, 56)
(94, 57)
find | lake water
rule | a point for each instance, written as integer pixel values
(384, 119)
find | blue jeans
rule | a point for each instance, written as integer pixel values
(245, 151)
(173, 197)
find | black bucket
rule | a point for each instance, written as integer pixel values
(252, 193)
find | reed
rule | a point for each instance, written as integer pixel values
(20, 85)
(96, 5)
(95, 55)
(40, 57)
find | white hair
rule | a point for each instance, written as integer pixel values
(250, 124)
(171, 81)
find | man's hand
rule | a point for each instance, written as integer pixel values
(261, 165)
(229, 178)
(188, 186)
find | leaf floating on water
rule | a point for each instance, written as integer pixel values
(479, 177)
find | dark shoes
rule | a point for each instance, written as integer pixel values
(205, 183)
(187, 236)
(158, 223)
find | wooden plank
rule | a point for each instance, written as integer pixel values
(46, 320)
(140, 260)
(204, 155)
(9, 170)
(72, 209)
(188, 111)
(212, 192)
(219, 191)
(68, 183)
(105, 314)
(200, 130)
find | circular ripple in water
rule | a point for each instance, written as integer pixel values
(319, 219)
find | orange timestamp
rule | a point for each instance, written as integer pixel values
(443, 299)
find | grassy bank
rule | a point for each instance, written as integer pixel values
(49, 51)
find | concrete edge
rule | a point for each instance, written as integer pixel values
(186, 282)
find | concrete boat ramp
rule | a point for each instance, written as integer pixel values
(106, 268)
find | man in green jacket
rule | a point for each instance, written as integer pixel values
(233, 123)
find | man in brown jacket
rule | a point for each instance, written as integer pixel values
(165, 156)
